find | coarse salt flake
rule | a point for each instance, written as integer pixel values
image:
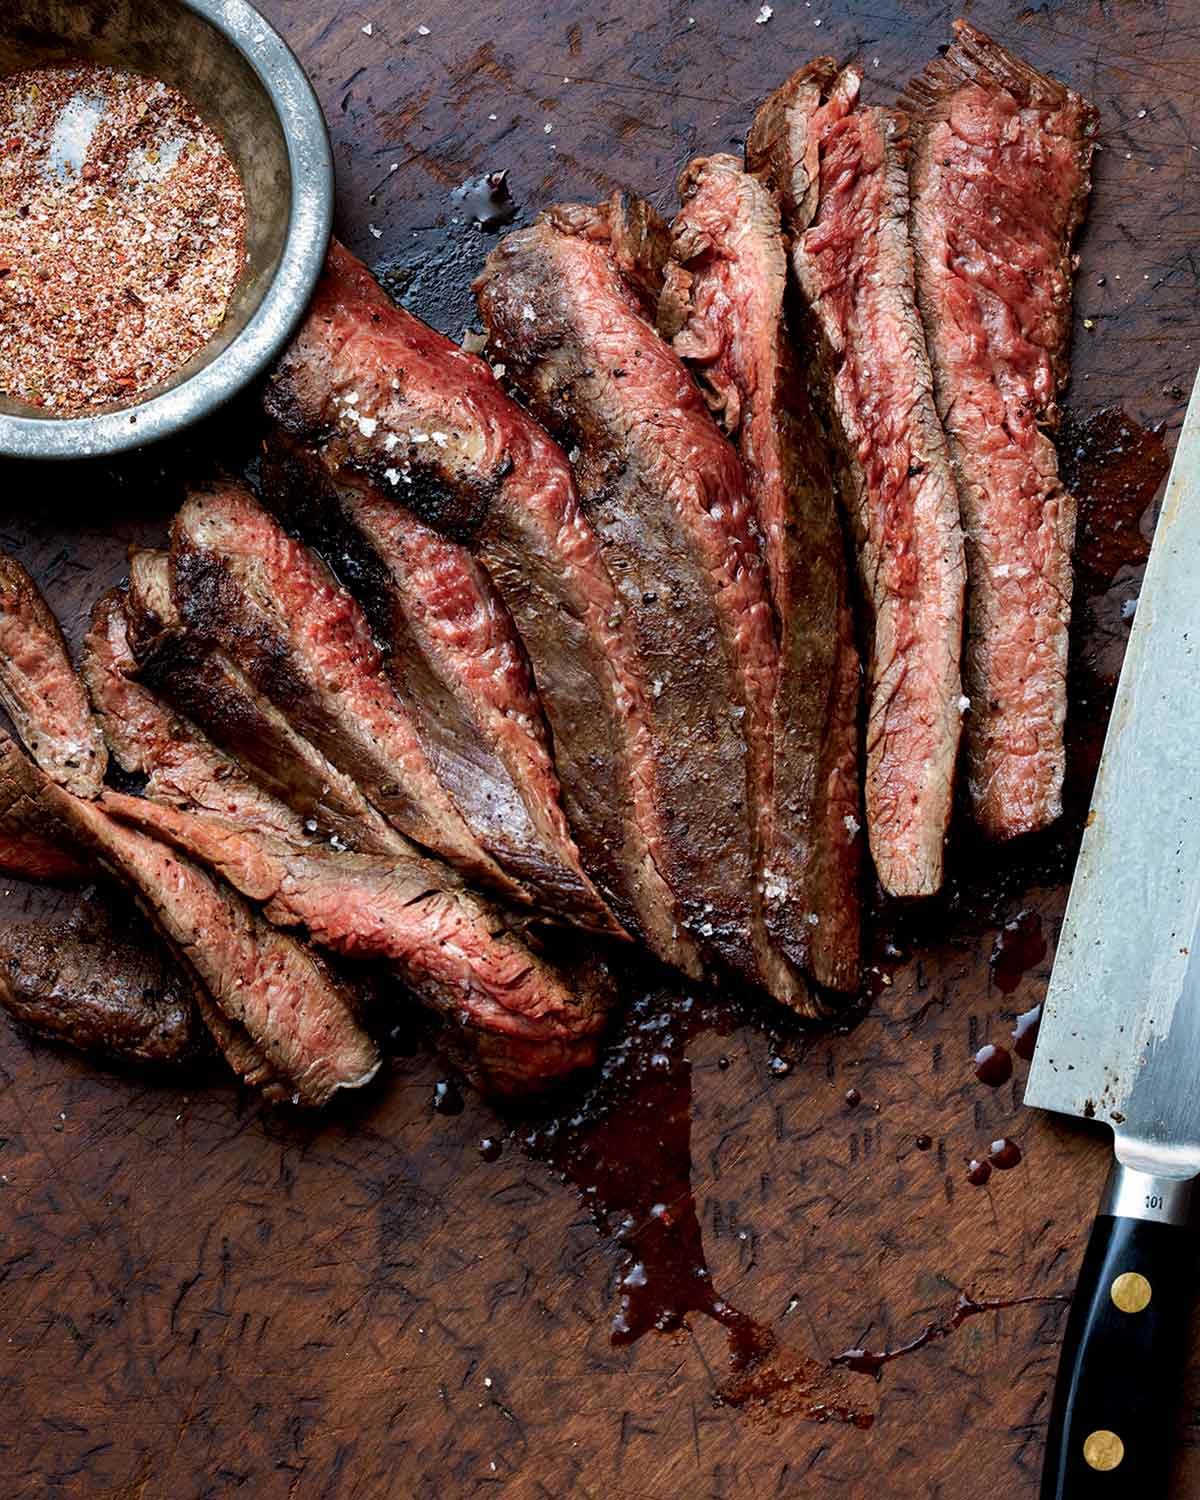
(422, 30)
(368, 29)
(764, 15)
(852, 824)
(377, 233)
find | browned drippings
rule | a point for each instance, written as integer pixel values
(626, 1147)
(993, 1065)
(1019, 945)
(867, 1362)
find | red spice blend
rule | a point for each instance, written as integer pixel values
(122, 235)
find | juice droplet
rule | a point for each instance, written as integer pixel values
(446, 1098)
(1004, 1154)
(978, 1172)
(1025, 1032)
(993, 1065)
(853, 1098)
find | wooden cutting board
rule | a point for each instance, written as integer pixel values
(202, 1297)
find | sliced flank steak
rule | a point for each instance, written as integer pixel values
(840, 171)
(39, 689)
(283, 1016)
(211, 692)
(1001, 171)
(452, 649)
(270, 605)
(459, 955)
(101, 985)
(723, 306)
(565, 306)
(387, 397)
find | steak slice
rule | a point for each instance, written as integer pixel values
(30, 857)
(840, 171)
(39, 689)
(386, 395)
(213, 692)
(98, 984)
(563, 305)
(453, 651)
(273, 991)
(1001, 171)
(723, 305)
(457, 953)
(146, 738)
(240, 582)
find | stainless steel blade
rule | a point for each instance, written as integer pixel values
(1120, 1036)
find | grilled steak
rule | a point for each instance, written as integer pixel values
(723, 305)
(98, 984)
(1001, 172)
(212, 691)
(456, 953)
(840, 172)
(30, 857)
(454, 653)
(244, 585)
(271, 988)
(386, 395)
(39, 689)
(146, 738)
(562, 302)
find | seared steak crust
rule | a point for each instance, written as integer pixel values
(840, 171)
(242, 584)
(563, 304)
(453, 652)
(211, 691)
(427, 423)
(271, 988)
(457, 954)
(39, 689)
(1001, 172)
(723, 305)
(99, 987)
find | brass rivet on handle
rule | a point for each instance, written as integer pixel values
(1103, 1450)
(1130, 1292)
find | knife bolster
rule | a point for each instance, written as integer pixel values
(1131, 1194)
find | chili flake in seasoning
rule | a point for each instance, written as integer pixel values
(122, 235)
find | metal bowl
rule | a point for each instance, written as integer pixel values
(243, 79)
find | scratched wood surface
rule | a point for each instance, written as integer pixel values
(201, 1297)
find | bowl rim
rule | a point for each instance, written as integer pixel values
(310, 225)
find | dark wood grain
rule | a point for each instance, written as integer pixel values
(200, 1297)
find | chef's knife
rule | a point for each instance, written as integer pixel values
(1120, 1034)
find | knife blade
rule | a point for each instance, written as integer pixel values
(1120, 1032)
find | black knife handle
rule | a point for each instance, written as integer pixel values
(1112, 1424)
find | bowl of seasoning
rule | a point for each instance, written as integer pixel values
(166, 201)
